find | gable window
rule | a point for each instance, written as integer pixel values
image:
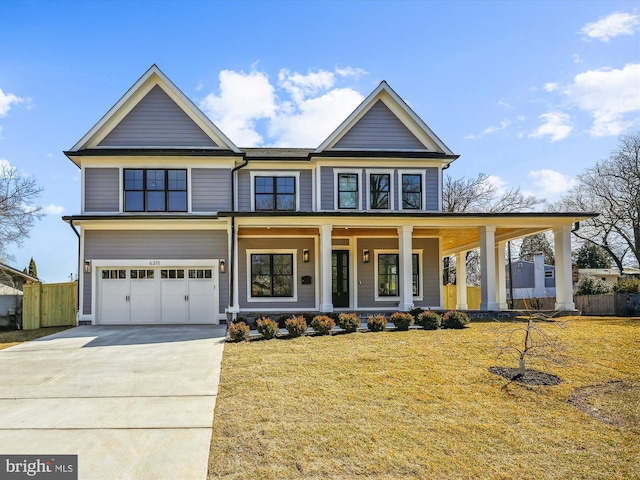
(155, 190)
(412, 191)
(272, 275)
(347, 190)
(275, 193)
(379, 191)
(389, 274)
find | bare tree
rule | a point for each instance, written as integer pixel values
(18, 210)
(612, 189)
(535, 244)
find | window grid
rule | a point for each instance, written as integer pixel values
(379, 190)
(155, 190)
(275, 193)
(348, 190)
(412, 191)
(271, 275)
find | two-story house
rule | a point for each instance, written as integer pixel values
(179, 225)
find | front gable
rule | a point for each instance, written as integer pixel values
(154, 114)
(384, 122)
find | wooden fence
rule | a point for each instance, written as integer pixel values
(49, 305)
(451, 297)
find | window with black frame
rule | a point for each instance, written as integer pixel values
(379, 188)
(412, 191)
(275, 193)
(271, 275)
(388, 274)
(347, 190)
(155, 190)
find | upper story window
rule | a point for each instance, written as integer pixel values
(380, 191)
(411, 191)
(275, 193)
(155, 190)
(347, 190)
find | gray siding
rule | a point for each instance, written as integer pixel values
(305, 190)
(379, 128)
(101, 190)
(157, 121)
(156, 245)
(210, 189)
(306, 293)
(326, 188)
(430, 274)
(432, 186)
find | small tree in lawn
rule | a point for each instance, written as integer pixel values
(531, 340)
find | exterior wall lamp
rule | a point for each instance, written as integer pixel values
(365, 255)
(87, 266)
(305, 255)
(223, 266)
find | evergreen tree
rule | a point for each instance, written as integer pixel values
(33, 269)
(590, 255)
(535, 244)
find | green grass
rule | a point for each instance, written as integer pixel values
(421, 405)
(16, 337)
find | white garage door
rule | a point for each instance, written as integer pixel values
(172, 295)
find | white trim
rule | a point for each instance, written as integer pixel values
(423, 193)
(414, 251)
(262, 251)
(274, 173)
(379, 171)
(350, 171)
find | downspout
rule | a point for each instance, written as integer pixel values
(232, 263)
(73, 227)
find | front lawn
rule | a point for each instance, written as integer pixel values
(16, 337)
(422, 404)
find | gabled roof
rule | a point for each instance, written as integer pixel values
(7, 270)
(403, 129)
(153, 89)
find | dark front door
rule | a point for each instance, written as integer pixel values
(340, 278)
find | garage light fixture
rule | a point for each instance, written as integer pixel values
(223, 267)
(87, 266)
(305, 255)
(365, 255)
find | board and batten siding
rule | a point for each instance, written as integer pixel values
(157, 121)
(306, 293)
(304, 188)
(379, 128)
(155, 245)
(101, 190)
(210, 189)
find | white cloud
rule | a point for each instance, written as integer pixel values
(498, 183)
(611, 96)
(550, 182)
(4, 164)
(52, 209)
(611, 26)
(557, 125)
(576, 58)
(550, 86)
(489, 130)
(503, 103)
(248, 107)
(6, 101)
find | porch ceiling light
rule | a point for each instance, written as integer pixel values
(365, 255)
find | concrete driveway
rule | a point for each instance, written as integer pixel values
(131, 402)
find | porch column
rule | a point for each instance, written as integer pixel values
(501, 283)
(487, 268)
(564, 287)
(326, 299)
(461, 281)
(405, 249)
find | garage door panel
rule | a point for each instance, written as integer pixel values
(202, 301)
(174, 303)
(144, 300)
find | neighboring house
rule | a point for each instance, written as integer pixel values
(532, 279)
(609, 275)
(11, 283)
(179, 225)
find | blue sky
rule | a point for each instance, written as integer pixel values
(531, 93)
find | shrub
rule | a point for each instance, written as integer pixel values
(267, 327)
(589, 285)
(322, 324)
(627, 285)
(350, 322)
(415, 313)
(239, 331)
(402, 321)
(455, 319)
(377, 323)
(296, 326)
(430, 320)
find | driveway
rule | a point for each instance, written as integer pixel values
(131, 402)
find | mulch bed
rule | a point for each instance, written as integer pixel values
(530, 377)
(579, 398)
